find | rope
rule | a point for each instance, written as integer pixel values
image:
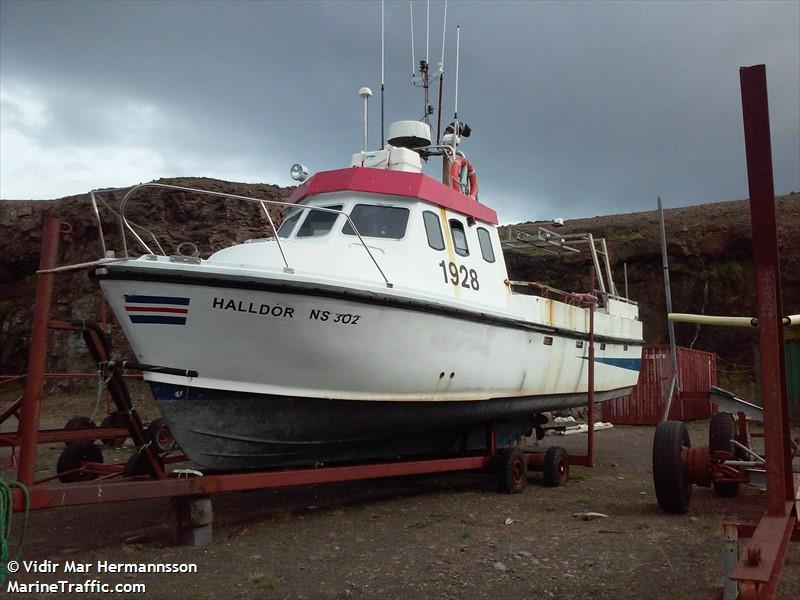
(102, 384)
(6, 511)
(730, 362)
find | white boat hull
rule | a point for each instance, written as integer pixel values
(294, 344)
(303, 377)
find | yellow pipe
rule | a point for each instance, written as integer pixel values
(790, 321)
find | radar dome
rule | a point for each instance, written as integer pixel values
(409, 134)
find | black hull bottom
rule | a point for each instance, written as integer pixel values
(223, 430)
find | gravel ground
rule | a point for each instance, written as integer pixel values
(448, 536)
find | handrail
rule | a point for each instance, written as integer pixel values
(570, 297)
(124, 224)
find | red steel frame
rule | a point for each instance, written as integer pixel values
(759, 569)
(163, 485)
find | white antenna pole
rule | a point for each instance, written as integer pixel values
(382, 69)
(441, 79)
(427, 31)
(413, 61)
(444, 31)
(458, 52)
(455, 107)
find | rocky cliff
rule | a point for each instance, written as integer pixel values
(709, 247)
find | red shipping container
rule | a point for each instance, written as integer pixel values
(697, 372)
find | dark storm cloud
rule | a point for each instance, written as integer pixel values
(577, 108)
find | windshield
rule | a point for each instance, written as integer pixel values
(317, 223)
(378, 221)
(285, 230)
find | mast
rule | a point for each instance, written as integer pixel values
(455, 102)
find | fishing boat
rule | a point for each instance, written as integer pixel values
(376, 321)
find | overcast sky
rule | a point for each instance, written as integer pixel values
(577, 109)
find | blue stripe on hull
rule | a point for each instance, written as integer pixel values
(632, 364)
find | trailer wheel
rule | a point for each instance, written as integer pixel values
(78, 422)
(721, 430)
(113, 420)
(556, 466)
(512, 471)
(160, 436)
(139, 465)
(71, 459)
(670, 477)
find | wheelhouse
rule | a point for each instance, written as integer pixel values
(420, 245)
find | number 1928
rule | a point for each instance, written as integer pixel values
(454, 274)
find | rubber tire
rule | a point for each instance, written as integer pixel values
(159, 436)
(71, 458)
(512, 470)
(670, 478)
(113, 420)
(79, 422)
(556, 466)
(139, 465)
(721, 430)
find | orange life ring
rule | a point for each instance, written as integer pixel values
(472, 177)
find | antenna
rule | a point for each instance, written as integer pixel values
(382, 64)
(455, 107)
(441, 80)
(413, 60)
(428, 32)
(365, 93)
(444, 30)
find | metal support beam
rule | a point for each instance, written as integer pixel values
(763, 558)
(98, 492)
(755, 111)
(759, 570)
(673, 382)
(730, 558)
(37, 354)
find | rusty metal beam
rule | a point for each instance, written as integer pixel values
(759, 570)
(755, 111)
(37, 354)
(141, 489)
(49, 436)
(764, 555)
(745, 530)
(66, 376)
(15, 406)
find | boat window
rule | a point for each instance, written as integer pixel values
(459, 237)
(318, 222)
(378, 221)
(486, 244)
(285, 230)
(433, 228)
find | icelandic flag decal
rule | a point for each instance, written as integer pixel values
(163, 310)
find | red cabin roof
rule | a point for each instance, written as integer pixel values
(394, 183)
